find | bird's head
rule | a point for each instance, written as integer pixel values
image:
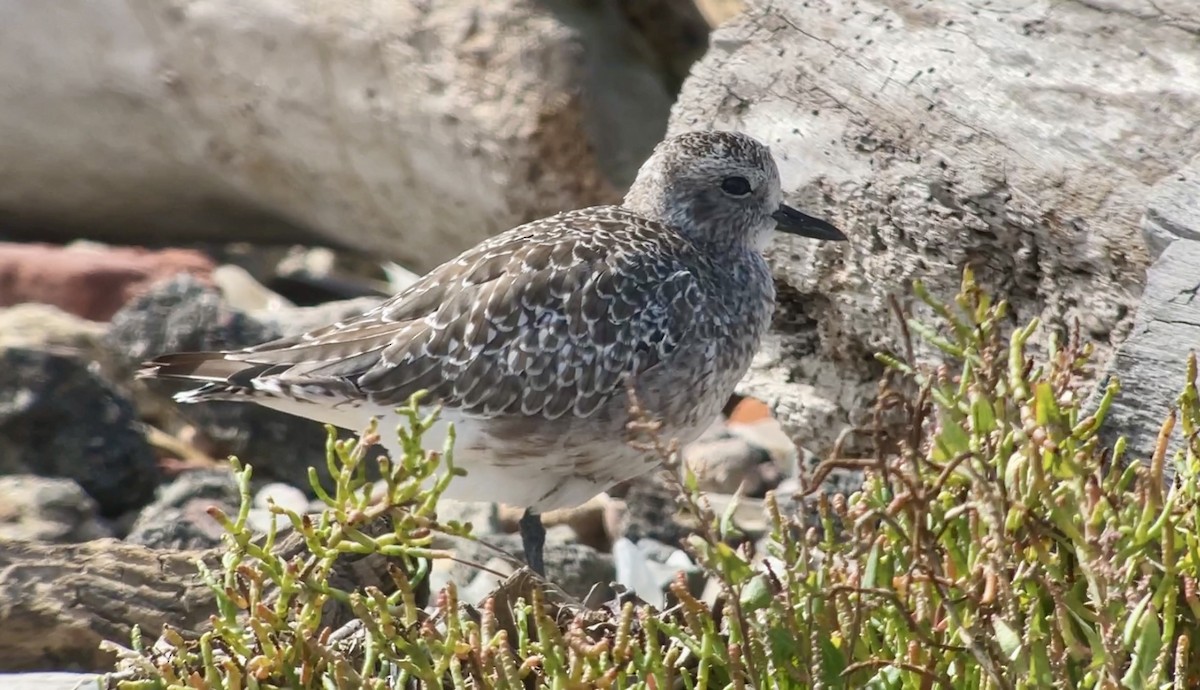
(720, 187)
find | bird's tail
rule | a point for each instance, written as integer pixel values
(221, 378)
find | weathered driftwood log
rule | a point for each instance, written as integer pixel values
(1022, 139)
(58, 602)
(384, 126)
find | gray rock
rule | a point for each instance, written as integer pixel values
(941, 135)
(58, 418)
(182, 314)
(651, 512)
(44, 509)
(574, 567)
(647, 568)
(1173, 211)
(404, 143)
(178, 518)
(47, 328)
(1150, 365)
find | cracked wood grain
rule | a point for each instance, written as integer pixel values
(59, 601)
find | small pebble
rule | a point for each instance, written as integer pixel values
(284, 495)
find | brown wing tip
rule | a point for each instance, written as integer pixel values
(202, 366)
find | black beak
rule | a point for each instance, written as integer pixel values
(794, 222)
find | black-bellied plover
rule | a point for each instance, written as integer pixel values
(527, 340)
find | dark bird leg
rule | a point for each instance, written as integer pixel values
(533, 538)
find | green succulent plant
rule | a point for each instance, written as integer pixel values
(996, 543)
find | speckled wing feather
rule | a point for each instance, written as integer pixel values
(544, 320)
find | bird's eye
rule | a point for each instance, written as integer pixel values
(736, 186)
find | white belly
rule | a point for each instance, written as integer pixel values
(546, 480)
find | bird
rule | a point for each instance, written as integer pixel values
(530, 342)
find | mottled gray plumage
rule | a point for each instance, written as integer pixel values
(527, 339)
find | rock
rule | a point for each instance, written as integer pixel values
(651, 512)
(380, 126)
(285, 496)
(58, 418)
(183, 314)
(244, 293)
(745, 410)
(299, 275)
(91, 282)
(315, 290)
(399, 278)
(49, 328)
(316, 275)
(485, 581)
(259, 520)
(649, 567)
(586, 521)
(1172, 211)
(751, 419)
(1019, 142)
(576, 568)
(746, 450)
(443, 571)
(725, 463)
(484, 519)
(297, 320)
(747, 514)
(46, 509)
(1151, 364)
(178, 518)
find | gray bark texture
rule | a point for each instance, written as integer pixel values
(58, 602)
(408, 129)
(1021, 139)
(1174, 210)
(1150, 365)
